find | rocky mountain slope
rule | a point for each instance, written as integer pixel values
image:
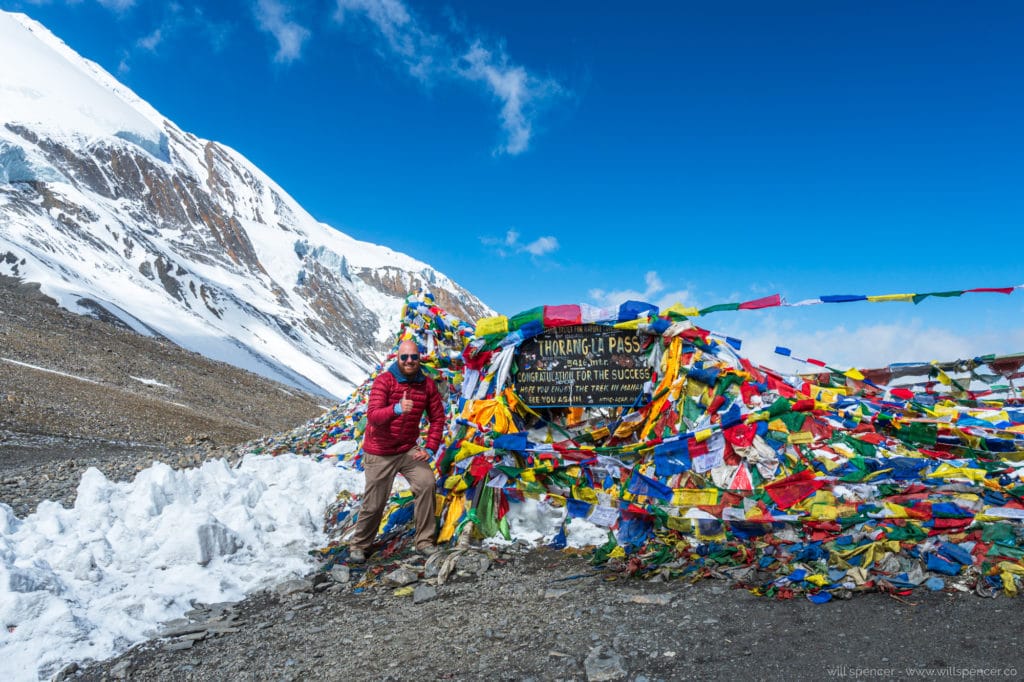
(74, 389)
(119, 213)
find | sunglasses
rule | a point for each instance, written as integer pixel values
(411, 356)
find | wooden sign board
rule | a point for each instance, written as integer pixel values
(583, 365)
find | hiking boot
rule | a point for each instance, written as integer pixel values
(356, 556)
(428, 550)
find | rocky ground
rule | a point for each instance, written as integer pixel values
(544, 615)
(509, 614)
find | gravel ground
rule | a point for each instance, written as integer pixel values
(508, 615)
(545, 615)
(72, 377)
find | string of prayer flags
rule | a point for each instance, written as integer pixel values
(822, 484)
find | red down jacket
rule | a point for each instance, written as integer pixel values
(388, 433)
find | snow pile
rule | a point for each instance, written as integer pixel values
(88, 582)
(535, 522)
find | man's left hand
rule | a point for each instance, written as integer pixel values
(420, 454)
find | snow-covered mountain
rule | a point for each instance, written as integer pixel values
(120, 214)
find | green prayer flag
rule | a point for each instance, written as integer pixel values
(939, 294)
(720, 307)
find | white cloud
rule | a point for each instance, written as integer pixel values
(867, 346)
(512, 86)
(404, 38)
(429, 57)
(510, 244)
(541, 246)
(152, 41)
(272, 16)
(653, 293)
(177, 20)
(117, 5)
(841, 346)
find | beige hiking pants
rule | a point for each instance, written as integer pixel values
(380, 473)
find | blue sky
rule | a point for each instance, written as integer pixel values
(561, 152)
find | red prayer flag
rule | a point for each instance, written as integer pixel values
(748, 391)
(992, 290)
(805, 405)
(793, 489)
(741, 435)
(781, 387)
(766, 302)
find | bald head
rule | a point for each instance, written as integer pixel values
(408, 358)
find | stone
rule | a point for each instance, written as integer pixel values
(603, 664)
(220, 628)
(178, 646)
(187, 629)
(424, 593)
(401, 577)
(656, 599)
(66, 672)
(341, 573)
(123, 669)
(289, 587)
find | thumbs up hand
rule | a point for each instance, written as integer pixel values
(405, 403)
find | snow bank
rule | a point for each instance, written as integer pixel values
(88, 582)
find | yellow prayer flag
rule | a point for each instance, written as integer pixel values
(455, 483)
(453, 513)
(886, 298)
(680, 309)
(695, 497)
(824, 512)
(680, 524)
(1009, 584)
(1011, 567)
(945, 470)
(467, 450)
(584, 494)
(896, 511)
(823, 497)
(830, 464)
(492, 325)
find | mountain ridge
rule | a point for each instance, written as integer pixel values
(182, 237)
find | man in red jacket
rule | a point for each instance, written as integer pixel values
(398, 399)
